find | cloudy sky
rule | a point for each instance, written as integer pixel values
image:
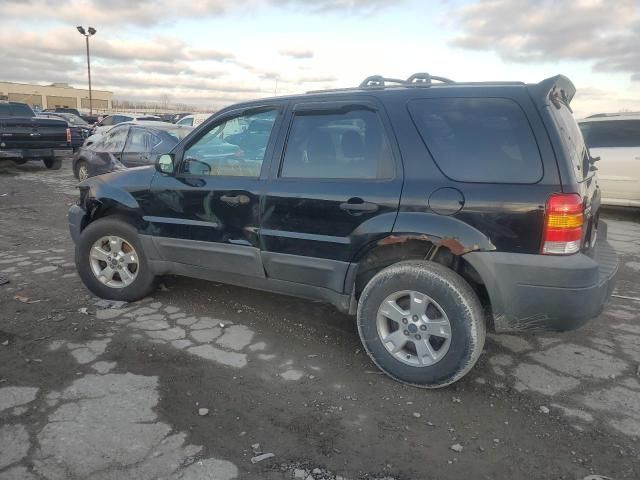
(215, 52)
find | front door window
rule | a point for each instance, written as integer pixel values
(236, 147)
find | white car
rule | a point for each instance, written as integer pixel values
(615, 138)
(113, 119)
(193, 120)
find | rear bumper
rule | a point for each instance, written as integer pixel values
(540, 292)
(34, 154)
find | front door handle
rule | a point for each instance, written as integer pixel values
(358, 206)
(235, 200)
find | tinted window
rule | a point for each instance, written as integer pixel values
(107, 121)
(114, 141)
(186, 121)
(231, 148)
(612, 133)
(338, 145)
(478, 139)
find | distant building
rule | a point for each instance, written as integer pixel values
(55, 95)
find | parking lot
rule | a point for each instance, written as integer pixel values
(203, 379)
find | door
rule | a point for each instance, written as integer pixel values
(335, 189)
(617, 143)
(137, 149)
(206, 215)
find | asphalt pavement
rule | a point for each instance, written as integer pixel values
(206, 381)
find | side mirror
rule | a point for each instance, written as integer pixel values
(165, 163)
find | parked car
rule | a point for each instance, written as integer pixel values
(179, 116)
(80, 130)
(432, 211)
(615, 139)
(129, 144)
(24, 137)
(193, 120)
(73, 111)
(109, 121)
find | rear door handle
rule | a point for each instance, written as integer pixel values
(235, 200)
(357, 205)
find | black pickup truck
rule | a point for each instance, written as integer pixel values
(25, 137)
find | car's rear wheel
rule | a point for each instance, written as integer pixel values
(82, 170)
(53, 163)
(421, 323)
(111, 262)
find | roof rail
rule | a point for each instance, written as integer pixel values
(616, 114)
(378, 81)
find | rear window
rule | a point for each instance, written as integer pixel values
(478, 139)
(611, 133)
(15, 110)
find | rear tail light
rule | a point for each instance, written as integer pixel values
(563, 219)
(68, 135)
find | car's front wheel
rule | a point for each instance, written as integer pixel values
(111, 262)
(421, 323)
(53, 163)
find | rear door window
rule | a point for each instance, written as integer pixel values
(351, 145)
(478, 139)
(139, 141)
(611, 133)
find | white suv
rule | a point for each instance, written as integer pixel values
(615, 138)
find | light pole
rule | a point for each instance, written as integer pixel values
(88, 33)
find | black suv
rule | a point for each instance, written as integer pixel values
(431, 209)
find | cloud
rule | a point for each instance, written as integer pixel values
(147, 13)
(603, 32)
(366, 7)
(297, 53)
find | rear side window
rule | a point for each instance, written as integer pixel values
(478, 139)
(345, 145)
(611, 133)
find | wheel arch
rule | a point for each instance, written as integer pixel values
(398, 247)
(103, 200)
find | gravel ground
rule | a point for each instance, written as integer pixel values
(204, 381)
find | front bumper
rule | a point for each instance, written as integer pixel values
(543, 292)
(76, 216)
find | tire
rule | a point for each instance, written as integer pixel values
(115, 227)
(53, 163)
(81, 171)
(448, 299)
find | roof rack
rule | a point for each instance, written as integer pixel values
(378, 81)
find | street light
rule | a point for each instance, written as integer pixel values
(88, 33)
